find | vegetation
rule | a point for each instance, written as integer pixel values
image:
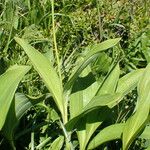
(74, 74)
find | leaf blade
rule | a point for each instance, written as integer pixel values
(46, 71)
(9, 82)
(109, 133)
(136, 122)
(90, 57)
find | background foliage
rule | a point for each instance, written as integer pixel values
(79, 24)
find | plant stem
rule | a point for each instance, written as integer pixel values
(32, 140)
(54, 39)
(12, 145)
(100, 21)
(69, 145)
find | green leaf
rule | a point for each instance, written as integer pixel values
(18, 107)
(109, 100)
(129, 81)
(146, 133)
(110, 83)
(148, 148)
(108, 87)
(88, 124)
(57, 144)
(90, 56)
(136, 123)
(46, 71)
(112, 132)
(84, 90)
(8, 85)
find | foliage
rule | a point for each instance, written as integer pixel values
(89, 84)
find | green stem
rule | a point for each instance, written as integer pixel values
(69, 145)
(12, 145)
(100, 21)
(54, 39)
(64, 113)
(32, 140)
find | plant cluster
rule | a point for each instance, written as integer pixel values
(74, 74)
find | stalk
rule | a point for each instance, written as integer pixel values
(54, 40)
(64, 114)
(100, 21)
(69, 145)
(32, 140)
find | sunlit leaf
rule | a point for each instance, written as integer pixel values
(46, 71)
(136, 122)
(129, 81)
(108, 86)
(84, 90)
(57, 144)
(110, 83)
(8, 85)
(112, 132)
(90, 56)
(108, 100)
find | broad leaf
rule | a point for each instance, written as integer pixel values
(135, 123)
(87, 125)
(46, 71)
(129, 81)
(90, 56)
(92, 120)
(8, 85)
(108, 86)
(109, 100)
(112, 132)
(97, 102)
(146, 133)
(57, 144)
(110, 83)
(84, 90)
(17, 109)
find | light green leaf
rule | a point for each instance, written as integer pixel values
(90, 56)
(8, 85)
(109, 100)
(129, 81)
(89, 124)
(146, 133)
(148, 148)
(108, 87)
(84, 90)
(135, 123)
(112, 132)
(57, 144)
(110, 83)
(46, 71)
